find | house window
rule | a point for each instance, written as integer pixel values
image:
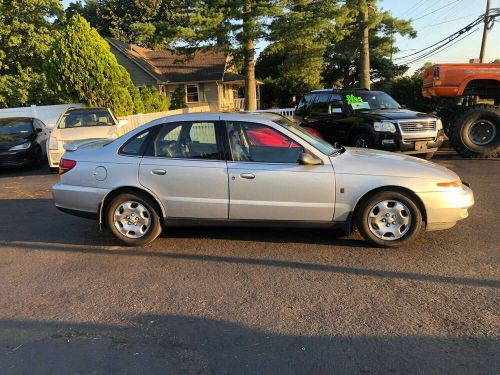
(192, 94)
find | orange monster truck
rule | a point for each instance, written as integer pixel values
(474, 129)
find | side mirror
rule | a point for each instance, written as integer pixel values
(39, 130)
(308, 159)
(403, 106)
(337, 145)
(122, 122)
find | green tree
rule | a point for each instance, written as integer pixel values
(292, 64)
(26, 34)
(342, 59)
(178, 98)
(81, 67)
(154, 101)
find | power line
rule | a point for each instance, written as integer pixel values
(439, 49)
(445, 41)
(441, 23)
(434, 11)
(415, 6)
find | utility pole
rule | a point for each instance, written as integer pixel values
(485, 31)
(364, 71)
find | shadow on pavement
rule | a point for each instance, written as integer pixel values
(23, 171)
(175, 344)
(54, 231)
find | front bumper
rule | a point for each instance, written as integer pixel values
(17, 158)
(445, 208)
(395, 142)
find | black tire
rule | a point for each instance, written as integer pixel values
(154, 228)
(460, 136)
(362, 140)
(367, 205)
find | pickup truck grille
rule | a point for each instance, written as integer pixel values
(417, 126)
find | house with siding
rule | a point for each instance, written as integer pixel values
(206, 76)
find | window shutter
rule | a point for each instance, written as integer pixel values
(201, 93)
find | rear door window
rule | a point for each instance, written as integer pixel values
(187, 140)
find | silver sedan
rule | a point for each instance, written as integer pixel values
(246, 169)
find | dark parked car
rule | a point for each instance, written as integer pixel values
(371, 119)
(22, 142)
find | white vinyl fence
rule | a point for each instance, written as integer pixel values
(143, 118)
(49, 114)
(287, 112)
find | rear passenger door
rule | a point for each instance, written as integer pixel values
(184, 166)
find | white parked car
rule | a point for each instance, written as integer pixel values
(247, 168)
(77, 124)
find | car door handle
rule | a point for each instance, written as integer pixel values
(159, 172)
(248, 176)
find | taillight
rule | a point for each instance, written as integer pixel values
(66, 165)
(436, 72)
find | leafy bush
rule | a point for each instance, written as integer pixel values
(154, 101)
(178, 98)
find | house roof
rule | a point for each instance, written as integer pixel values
(168, 67)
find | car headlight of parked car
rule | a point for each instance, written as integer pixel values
(384, 126)
(52, 143)
(22, 146)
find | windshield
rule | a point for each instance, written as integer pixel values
(320, 144)
(367, 100)
(15, 127)
(86, 118)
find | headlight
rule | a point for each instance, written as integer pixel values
(22, 146)
(384, 127)
(53, 143)
(439, 124)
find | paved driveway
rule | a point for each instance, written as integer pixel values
(245, 301)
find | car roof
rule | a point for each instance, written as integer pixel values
(74, 109)
(339, 91)
(6, 120)
(214, 116)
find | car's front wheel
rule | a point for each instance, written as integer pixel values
(133, 219)
(389, 218)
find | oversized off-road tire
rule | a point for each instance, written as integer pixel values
(476, 132)
(133, 219)
(389, 218)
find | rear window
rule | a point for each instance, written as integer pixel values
(304, 102)
(80, 119)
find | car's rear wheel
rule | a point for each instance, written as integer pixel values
(133, 219)
(389, 218)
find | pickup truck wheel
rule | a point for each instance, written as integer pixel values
(388, 219)
(476, 133)
(362, 140)
(133, 219)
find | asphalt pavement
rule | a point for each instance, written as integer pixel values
(246, 300)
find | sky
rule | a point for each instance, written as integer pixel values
(435, 20)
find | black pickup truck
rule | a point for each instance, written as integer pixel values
(372, 119)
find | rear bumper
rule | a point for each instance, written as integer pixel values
(78, 200)
(445, 208)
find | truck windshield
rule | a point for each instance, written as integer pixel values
(368, 100)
